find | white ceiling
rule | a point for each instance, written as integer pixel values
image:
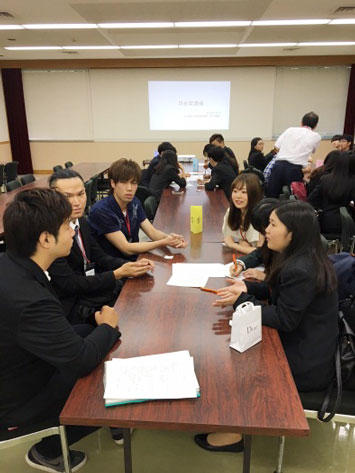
(94, 11)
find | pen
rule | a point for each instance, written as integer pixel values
(235, 261)
(208, 290)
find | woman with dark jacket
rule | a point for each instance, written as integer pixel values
(303, 304)
(335, 189)
(166, 172)
(326, 168)
(256, 157)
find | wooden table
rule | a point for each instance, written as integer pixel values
(251, 393)
(86, 170)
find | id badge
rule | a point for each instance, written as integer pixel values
(90, 269)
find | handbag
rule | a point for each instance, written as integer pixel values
(344, 371)
(246, 326)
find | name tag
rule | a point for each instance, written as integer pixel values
(90, 272)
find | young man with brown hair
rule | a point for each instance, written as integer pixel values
(115, 220)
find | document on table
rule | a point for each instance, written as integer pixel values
(195, 275)
(144, 378)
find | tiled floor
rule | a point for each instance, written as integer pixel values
(329, 449)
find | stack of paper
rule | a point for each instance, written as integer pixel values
(144, 378)
(195, 275)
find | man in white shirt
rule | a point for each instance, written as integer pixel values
(295, 147)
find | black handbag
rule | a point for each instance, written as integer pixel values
(344, 371)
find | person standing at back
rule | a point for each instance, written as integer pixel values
(295, 146)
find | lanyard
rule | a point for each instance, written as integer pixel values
(80, 243)
(128, 224)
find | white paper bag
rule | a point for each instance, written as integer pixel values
(246, 326)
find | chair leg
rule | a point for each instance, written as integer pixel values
(281, 454)
(65, 449)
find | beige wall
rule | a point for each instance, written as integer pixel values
(5, 151)
(45, 155)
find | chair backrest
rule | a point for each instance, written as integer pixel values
(88, 189)
(10, 186)
(27, 178)
(246, 164)
(11, 170)
(57, 168)
(68, 164)
(2, 174)
(347, 228)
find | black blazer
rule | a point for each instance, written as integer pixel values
(68, 276)
(222, 175)
(159, 182)
(258, 160)
(38, 345)
(307, 322)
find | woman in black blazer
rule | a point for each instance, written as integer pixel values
(303, 302)
(336, 189)
(256, 157)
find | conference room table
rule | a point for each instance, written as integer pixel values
(86, 170)
(252, 393)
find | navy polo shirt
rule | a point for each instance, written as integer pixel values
(106, 217)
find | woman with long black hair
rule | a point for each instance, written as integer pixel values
(336, 189)
(300, 287)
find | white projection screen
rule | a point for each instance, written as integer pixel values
(189, 105)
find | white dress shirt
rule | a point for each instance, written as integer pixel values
(296, 144)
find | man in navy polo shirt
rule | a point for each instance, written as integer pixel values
(115, 221)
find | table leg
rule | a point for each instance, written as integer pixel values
(127, 450)
(247, 453)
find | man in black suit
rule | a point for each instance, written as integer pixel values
(222, 174)
(41, 354)
(87, 278)
(218, 140)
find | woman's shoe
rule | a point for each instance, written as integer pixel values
(201, 440)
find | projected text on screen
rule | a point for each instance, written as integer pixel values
(189, 105)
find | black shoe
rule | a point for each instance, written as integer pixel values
(117, 435)
(201, 440)
(53, 465)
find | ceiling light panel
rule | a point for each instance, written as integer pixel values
(11, 27)
(151, 46)
(343, 21)
(33, 48)
(135, 25)
(203, 46)
(211, 24)
(61, 26)
(290, 22)
(90, 47)
(266, 45)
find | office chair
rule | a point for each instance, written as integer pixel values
(26, 179)
(11, 170)
(68, 164)
(59, 430)
(57, 168)
(12, 185)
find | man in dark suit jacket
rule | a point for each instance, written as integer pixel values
(218, 140)
(41, 354)
(222, 174)
(87, 278)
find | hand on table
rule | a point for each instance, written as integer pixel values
(182, 243)
(134, 269)
(235, 271)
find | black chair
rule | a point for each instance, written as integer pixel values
(12, 185)
(27, 178)
(68, 164)
(2, 175)
(345, 238)
(59, 167)
(94, 190)
(285, 193)
(11, 171)
(89, 189)
(311, 404)
(246, 164)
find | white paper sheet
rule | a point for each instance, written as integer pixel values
(164, 376)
